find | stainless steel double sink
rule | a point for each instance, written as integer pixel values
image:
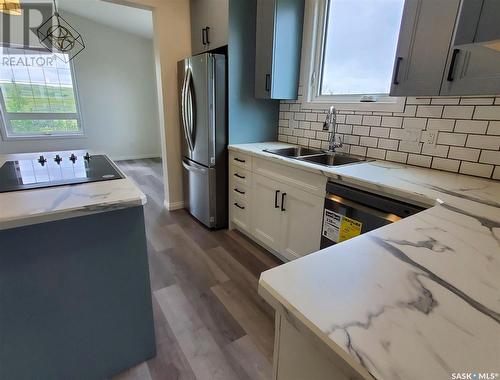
(316, 156)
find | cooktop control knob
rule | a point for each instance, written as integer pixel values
(58, 159)
(72, 158)
(42, 160)
(87, 156)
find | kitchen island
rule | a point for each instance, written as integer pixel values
(75, 298)
(417, 299)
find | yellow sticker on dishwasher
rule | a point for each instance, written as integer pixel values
(349, 228)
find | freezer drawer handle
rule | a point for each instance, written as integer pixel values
(239, 191)
(450, 78)
(268, 82)
(239, 176)
(240, 207)
(276, 205)
(239, 160)
(283, 201)
(193, 168)
(396, 71)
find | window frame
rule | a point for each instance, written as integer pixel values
(315, 30)
(5, 120)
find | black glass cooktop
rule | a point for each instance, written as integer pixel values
(56, 170)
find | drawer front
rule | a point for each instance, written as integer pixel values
(311, 182)
(240, 215)
(238, 175)
(240, 159)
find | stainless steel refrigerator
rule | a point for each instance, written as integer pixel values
(202, 91)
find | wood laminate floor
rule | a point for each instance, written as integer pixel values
(210, 322)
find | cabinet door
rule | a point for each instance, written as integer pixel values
(424, 40)
(199, 12)
(218, 19)
(264, 48)
(301, 220)
(472, 70)
(266, 212)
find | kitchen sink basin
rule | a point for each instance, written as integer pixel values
(295, 151)
(333, 159)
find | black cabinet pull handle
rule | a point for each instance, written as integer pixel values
(203, 39)
(283, 201)
(239, 159)
(452, 65)
(276, 205)
(239, 191)
(239, 176)
(268, 82)
(207, 29)
(240, 207)
(396, 71)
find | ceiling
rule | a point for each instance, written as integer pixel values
(133, 20)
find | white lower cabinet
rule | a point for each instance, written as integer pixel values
(279, 206)
(266, 212)
(300, 223)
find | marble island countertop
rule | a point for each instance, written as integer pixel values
(417, 299)
(21, 208)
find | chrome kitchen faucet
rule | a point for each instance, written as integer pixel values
(330, 125)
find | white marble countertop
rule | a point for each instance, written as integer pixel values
(21, 208)
(417, 299)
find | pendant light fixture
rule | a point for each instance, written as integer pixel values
(58, 36)
(11, 7)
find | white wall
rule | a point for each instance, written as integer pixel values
(117, 90)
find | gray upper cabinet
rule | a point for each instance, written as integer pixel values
(209, 24)
(473, 66)
(277, 48)
(424, 40)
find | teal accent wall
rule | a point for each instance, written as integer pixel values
(250, 119)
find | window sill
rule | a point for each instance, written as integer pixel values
(44, 137)
(321, 104)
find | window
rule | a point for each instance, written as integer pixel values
(355, 49)
(37, 95)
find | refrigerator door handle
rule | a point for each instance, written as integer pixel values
(191, 109)
(193, 168)
(184, 110)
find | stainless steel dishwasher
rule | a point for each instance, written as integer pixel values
(350, 212)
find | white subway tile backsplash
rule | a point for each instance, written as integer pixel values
(429, 111)
(445, 164)
(388, 144)
(378, 154)
(465, 154)
(446, 138)
(458, 112)
(440, 125)
(483, 142)
(368, 141)
(414, 123)
(396, 156)
(419, 160)
(490, 157)
(445, 101)
(468, 138)
(473, 168)
(353, 119)
(392, 121)
(487, 113)
(471, 126)
(379, 132)
(361, 130)
(494, 128)
(372, 120)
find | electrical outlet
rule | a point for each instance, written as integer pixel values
(429, 137)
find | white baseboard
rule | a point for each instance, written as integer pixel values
(171, 206)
